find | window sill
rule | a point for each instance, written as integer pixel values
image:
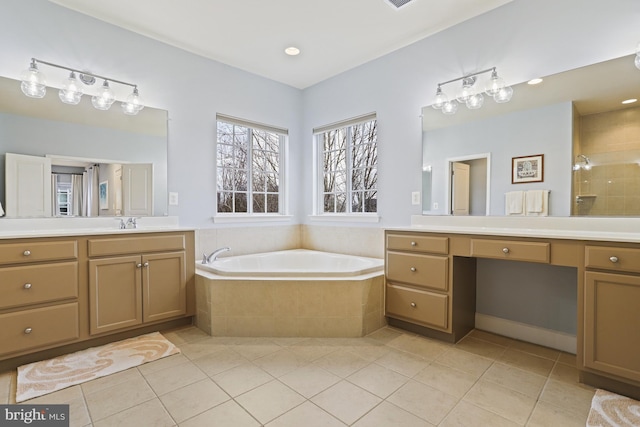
(237, 218)
(346, 217)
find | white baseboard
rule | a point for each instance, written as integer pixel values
(533, 334)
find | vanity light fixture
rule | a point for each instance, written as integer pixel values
(470, 95)
(33, 84)
(582, 162)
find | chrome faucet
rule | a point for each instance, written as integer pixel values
(208, 259)
(133, 222)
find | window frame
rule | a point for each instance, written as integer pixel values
(282, 173)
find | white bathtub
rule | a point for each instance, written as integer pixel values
(294, 263)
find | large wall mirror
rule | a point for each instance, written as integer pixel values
(90, 153)
(590, 141)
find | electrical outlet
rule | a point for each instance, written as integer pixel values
(173, 199)
(415, 198)
(435, 205)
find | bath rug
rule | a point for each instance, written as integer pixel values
(612, 410)
(40, 378)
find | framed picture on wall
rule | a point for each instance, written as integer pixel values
(527, 169)
(103, 193)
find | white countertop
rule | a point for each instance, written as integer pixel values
(574, 228)
(15, 228)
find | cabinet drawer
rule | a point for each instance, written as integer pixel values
(416, 269)
(417, 243)
(28, 329)
(612, 258)
(511, 249)
(419, 306)
(35, 284)
(27, 251)
(135, 245)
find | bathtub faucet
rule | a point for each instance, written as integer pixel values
(208, 259)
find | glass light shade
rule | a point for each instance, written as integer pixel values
(577, 167)
(475, 101)
(467, 91)
(587, 167)
(495, 84)
(440, 99)
(637, 61)
(133, 103)
(504, 95)
(34, 83)
(71, 92)
(105, 97)
(450, 107)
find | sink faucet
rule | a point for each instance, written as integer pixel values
(208, 259)
(132, 223)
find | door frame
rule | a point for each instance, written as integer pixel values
(451, 160)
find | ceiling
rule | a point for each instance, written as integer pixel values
(333, 35)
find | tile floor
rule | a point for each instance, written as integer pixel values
(389, 378)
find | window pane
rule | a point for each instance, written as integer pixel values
(241, 136)
(357, 179)
(370, 178)
(225, 133)
(225, 202)
(341, 202)
(371, 201)
(240, 202)
(272, 162)
(240, 180)
(356, 202)
(272, 203)
(272, 182)
(258, 161)
(259, 203)
(259, 182)
(329, 203)
(225, 155)
(340, 181)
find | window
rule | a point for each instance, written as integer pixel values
(249, 167)
(348, 158)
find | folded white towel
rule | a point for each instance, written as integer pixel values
(514, 203)
(537, 202)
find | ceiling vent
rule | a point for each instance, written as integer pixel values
(398, 3)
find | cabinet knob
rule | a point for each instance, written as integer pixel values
(413, 304)
(413, 243)
(613, 259)
(26, 253)
(413, 269)
(28, 331)
(146, 264)
(139, 265)
(27, 286)
(505, 250)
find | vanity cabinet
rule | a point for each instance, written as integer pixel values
(147, 285)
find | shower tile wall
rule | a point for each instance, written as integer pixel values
(612, 142)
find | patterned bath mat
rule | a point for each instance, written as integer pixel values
(40, 378)
(612, 410)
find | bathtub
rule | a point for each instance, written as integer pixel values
(294, 293)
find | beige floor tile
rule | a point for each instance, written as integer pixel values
(490, 337)
(465, 361)
(566, 373)
(228, 414)
(256, 349)
(574, 398)
(194, 350)
(537, 350)
(61, 396)
(106, 402)
(545, 415)
(403, 363)
(164, 363)
(110, 380)
(150, 413)
(174, 378)
(213, 364)
(423, 401)
(287, 341)
(184, 335)
(568, 359)
(423, 347)
(515, 379)
(346, 401)
(280, 362)
(449, 380)
(307, 415)
(528, 362)
(502, 401)
(387, 415)
(378, 380)
(385, 335)
(309, 380)
(269, 401)
(191, 400)
(241, 379)
(480, 347)
(78, 413)
(341, 363)
(466, 415)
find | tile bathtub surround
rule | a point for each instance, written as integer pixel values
(388, 378)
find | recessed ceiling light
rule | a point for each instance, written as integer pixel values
(292, 51)
(534, 81)
(629, 101)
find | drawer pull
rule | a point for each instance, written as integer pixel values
(28, 331)
(27, 286)
(413, 304)
(413, 243)
(146, 264)
(613, 259)
(26, 253)
(138, 265)
(413, 269)
(505, 250)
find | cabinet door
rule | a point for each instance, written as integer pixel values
(27, 186)
(164, 286)
(137, 189)
(115, 293)
(612, 324)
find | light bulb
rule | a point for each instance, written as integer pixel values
(475, 101)
(133, 103)
(440, 99)
(71, 92)
(495, 84)
(104, 98)
(467, 90)
(504, 95)
(33, 82)
(450, 107)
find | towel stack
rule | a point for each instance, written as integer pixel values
(529, 203)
